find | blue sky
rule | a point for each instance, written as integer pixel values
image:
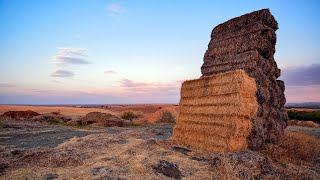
(121, 51)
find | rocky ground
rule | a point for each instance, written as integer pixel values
(40, 151)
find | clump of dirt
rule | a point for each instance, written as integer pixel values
(168, 169)
(101, 119)
(19, 114)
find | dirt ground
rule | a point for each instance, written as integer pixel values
(36, 150)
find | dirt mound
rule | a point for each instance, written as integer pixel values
(101, 119)
(52, 117)
(19, 114)
(165, 115)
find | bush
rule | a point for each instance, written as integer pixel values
(167, 117)
(305, 115)
(128, 115)
(56, 113)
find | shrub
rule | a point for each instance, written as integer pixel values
(167, 117)
(128, 115)
(56, 113)
(305, 115)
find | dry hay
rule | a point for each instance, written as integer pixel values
(303, 123)
(294, 147)
(248, 42)
(81, 157)
(216, 111)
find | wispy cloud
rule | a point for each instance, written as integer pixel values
(6, 85)
(39, 91)
(62, 73)
(133, 87)
(131, 84)
(115, 9)
(68, 56)
(110, 72)
(301, 75)
(55, 81)
(59, 59)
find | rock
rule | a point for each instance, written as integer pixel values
(168, 169)
(100, 169)
(50, 176)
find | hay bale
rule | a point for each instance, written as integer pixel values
(216, 112)
(257, 17)
(248, 42)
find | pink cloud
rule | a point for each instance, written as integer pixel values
(309, 93)
(133, 87)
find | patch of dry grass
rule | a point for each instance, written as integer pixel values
(295, 148)
(303, 123)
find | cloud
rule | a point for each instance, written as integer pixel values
(55, 81)
(161, 89)
(116, 9)
(59, 59)
(68, 56)
(62, 73)
(110, 72)
(39, 91)
(301, 75)
(296, 94)
(128, 83)
(6, 85)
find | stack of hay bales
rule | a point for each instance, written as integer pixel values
(248, 43)
(216, 112)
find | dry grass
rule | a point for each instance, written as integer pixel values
(294, 147)
(224, 122)
(134, 159)
(303, 123)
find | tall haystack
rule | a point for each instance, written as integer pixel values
(216, 111)
(248, 43)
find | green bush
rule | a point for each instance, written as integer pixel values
(305, 115)
(128, 115)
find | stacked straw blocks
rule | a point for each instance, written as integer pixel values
(216, 112)
(248, 42)
(216, 120)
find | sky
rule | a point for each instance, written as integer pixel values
(134, 52)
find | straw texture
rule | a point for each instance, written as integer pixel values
(248, 43)
(216, 112)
